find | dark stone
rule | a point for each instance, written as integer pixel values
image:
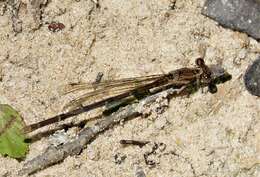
(240, 15)
(252, 78)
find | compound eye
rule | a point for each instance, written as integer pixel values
(200, 62)
(212, 88)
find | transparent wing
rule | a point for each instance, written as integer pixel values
(108, 89)
(135, 81)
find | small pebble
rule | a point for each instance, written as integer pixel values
(252, 78)
(58, 138)
(99, 77)
(93, 154)
(139, 172)
(240, 57)
(119, 158)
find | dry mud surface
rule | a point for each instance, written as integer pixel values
(205, 134)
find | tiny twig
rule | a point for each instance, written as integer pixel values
(134, 142)
(54, 155)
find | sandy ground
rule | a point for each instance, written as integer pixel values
(205, 134)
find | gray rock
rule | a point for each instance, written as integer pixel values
(240, 15)
(252, 78)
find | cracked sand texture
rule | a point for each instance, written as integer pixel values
(205, 134)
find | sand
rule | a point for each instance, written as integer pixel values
(205, 134)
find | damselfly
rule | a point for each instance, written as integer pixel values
(124, 91)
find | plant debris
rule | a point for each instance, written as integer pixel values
(11, 135)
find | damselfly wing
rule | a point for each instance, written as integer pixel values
(105, 89)
(100, 94)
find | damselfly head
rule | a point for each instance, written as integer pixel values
(214, 75)
(219, 75)
(217, 71)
